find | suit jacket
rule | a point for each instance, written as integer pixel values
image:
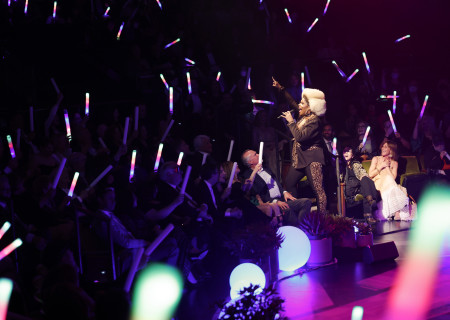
(203, 195)
(261, 188)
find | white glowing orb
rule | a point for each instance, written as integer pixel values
(295, 249)
(243, 276)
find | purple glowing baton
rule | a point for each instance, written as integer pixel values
(188, 76)
(312, 25)
(392, 121)
(365, 61)
(423, 106)
(172, 43)
(394, 102)
(352, 75)
(287, 15)
(326, 7)
(342, 73)
(403, 38)
(120, 31)
(133, 163)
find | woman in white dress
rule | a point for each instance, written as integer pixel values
(383, 172)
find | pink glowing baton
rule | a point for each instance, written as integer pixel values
(171, 100)
(218, 75)
(394, 102)
(180, 158)
(403, 38)
(10, 248)
(6, 286)
(106, 12)
(86, 109)
(261, 149)
(230, 151)
(185, 179)
(423, 106)
(303, 81)
(158, 157)
(4, 228)
(233, 172)
(249, 87)
(26, 7)
(326, 7)
(74, 183)
(133, 163)
(366, 135)
(120, 31)
(54, 10)
(392, 121)
(352, 75)
(188, 76)
(334, 145)
(312, 25)
(262, 101)
(172, 43)
(189, 61)
(365, 61)
(125, 130)
(343, 75)
(11, 147)
(58, 174)
(159, 4)
(9, 3)
(100, 177)
(167, 130)
(287, 15)
(164, 81)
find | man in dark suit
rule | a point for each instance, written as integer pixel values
(270, 190)
(201, 156)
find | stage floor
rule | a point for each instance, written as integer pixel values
(331, 292)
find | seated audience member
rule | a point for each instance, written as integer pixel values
(369, 148)
(435, 157)
(269, 189)
(404, 146)
(357, 183)
(383, 171)
(201, 155)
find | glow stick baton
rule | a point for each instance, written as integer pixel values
(158, 157)
(188, 76)
(100, 177)
(180, 158)
(26, 7)
(185, 179)
(343, 75)
(352, 75)
(58, 174)
(365, 61)
(158, 240)
(204, 158)
(326, 7)
(136, 118)
(18, 138)
(189, 61)
(262, 101)
(9, 3)
(74, 183)
(261, 148)
(287, 14)
(307, 75)
(4, 228)
(218, 75)
(233, 172)
(106, 12)
(357, 313)
(157, 293)
(164, 81)
(159, 4)
(11, 147)
(167, 131)
(366, 135)
(334, 145)
(55, 86)
(103, 144)
(403, 38)
(68, 131)
(303, 81)
(133, 163)
(120, 31)
(54, 9)
(248, 79)
(230, 151)
(10, 248)
(86, 109)
(394, 102)
(134, 266)
(172, 43)
(6, 286)
(312, 25)
(419, 271)
(171, 100)
(125, 130)
(392, 121)
(31, 119)
(423, 106)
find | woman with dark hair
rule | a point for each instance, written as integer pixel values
(357, 183)
(383, 172)
(307, 153)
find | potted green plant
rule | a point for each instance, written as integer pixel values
(342, 231)
(266, 305)
(364, 235)
(319, 229)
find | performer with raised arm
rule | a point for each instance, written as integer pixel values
(307, 153)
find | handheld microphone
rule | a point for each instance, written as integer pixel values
(280, 116)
